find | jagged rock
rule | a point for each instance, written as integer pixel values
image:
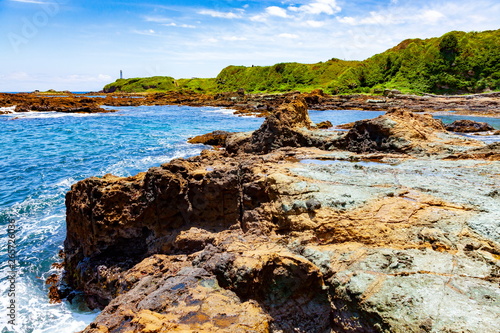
(283, 127)
(468, 126)
(324, 125)
(313, 248)
(216, 138)
(401, 132)
(296, 239)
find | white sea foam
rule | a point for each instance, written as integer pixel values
(8, 109)
(48, 114)
(220, 110)
(124, 167)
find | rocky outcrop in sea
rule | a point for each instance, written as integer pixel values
(392, 226)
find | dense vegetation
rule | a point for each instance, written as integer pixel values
(160, 83)
(457, 62)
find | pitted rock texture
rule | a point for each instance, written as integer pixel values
(296, 239)
(284, 127)
(345, 247)
(401, 132)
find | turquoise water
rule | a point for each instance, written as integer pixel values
(448, 119)
(43, 154)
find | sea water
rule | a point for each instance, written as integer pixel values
(43, 153)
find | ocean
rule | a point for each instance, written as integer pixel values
(43, 153)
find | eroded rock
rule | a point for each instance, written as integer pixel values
(468, 126)
(297, 239)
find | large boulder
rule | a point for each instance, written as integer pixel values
(284, 127)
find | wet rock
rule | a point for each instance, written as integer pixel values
(216, 138)
(324, 125)
(468, 126)
(297, 239)
(400, 132)
(282, 128)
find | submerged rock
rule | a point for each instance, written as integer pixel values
(468, 126)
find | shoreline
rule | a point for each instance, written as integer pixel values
(484, 105)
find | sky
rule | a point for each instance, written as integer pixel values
(81, 45)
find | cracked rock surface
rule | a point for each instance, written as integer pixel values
(310, 239)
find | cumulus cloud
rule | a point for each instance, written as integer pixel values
(431, 16)
(276, 11)
(317, 7)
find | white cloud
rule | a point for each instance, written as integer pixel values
(375, 18)
(258, 18)
(32, 1)
(427, 16)
(173, 24)
(234, 38)
(289, 36)
(431, 16)
(314, 24)
(214, 13)
(147, 32)
(276, 11)
(347, 20)
(156, 19)
(317, 7)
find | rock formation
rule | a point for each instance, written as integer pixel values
(468, 126)
(296, 239)
(216, 138)
(258, 104)
(400, 132)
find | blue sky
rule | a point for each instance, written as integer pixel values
(81, 45)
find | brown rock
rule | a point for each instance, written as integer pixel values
(324, 125)
(400, 132)
(216, 138)
(282, 128)
(468, 126)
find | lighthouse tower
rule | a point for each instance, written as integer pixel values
(121, 74)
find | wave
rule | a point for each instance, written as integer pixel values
(131, 166)
(48, 114)
(219, 110)
(8, 109)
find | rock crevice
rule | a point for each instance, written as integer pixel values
(293, 229)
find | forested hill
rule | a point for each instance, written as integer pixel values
(456, 62)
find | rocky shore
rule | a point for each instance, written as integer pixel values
(392, 226)
(259, 104)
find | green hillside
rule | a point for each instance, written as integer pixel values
(159, 84)
(457, 62)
